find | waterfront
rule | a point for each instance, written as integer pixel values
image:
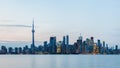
(59, 61)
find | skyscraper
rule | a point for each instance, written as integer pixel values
(103, 44)
(45, 46)
(80, 39)
(99, 45)
(116, 49)
(91, 45)
(64, 40)
(52, 45)
(64, 45)
(67, 43)
(103, 47)
(67, 40)
(79, 42)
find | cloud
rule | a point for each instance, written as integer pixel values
(6, 20)
(15, 26)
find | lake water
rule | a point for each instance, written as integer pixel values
(59, 61)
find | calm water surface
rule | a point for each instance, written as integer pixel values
(59, 61)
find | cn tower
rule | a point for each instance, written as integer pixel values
(33, 31)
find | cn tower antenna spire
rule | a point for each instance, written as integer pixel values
(33, 24)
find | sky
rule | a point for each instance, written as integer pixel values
(97, 18)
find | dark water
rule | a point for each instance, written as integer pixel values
(59, 61)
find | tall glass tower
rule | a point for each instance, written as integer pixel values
(67, 40)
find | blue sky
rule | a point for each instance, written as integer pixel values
(98, 18)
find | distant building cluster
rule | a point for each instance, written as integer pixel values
(87, 46)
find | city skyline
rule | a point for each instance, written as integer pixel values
(59, 18)
(80, 46)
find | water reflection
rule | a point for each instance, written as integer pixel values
(59, 61)
(33, 62)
